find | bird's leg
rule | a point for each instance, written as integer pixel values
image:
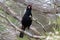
(23, 28)
(28, 27)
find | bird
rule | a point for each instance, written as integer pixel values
(26, 20)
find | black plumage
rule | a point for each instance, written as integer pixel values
(26, 20)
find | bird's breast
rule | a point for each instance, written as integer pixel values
(26, 18)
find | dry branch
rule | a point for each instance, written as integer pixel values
(9, 11)
(13, 14)
(18, 29)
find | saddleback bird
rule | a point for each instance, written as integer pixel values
(26, 20)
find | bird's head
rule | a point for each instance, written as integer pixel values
(29, 7)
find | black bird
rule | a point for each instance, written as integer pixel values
(26, 20)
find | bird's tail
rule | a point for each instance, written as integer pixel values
(22, 33)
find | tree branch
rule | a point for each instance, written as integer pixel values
(18, 29)
(9, 11)
(39, 23)
(13, 14)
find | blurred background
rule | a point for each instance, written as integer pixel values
(45, 12)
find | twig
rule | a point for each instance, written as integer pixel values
(39, 23)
